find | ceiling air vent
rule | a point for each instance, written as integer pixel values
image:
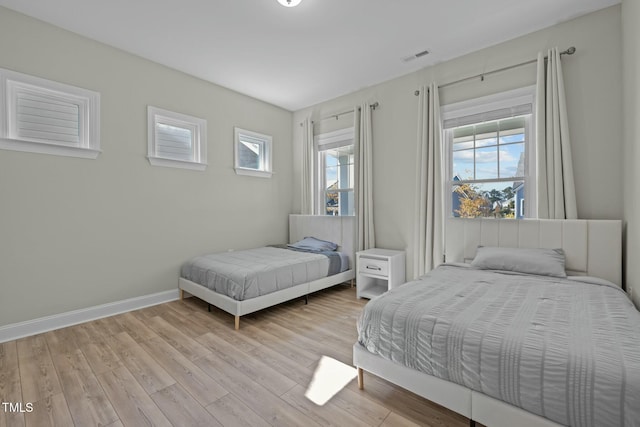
(415, 56)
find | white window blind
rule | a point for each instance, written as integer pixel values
(47, 118)
(174, 142)
(487, 116)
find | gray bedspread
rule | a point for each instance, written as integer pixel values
(567, 350)
(254, 272)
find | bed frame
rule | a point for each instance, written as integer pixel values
(592, 247)
(338, 229)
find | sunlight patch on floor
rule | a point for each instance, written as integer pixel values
(330, 377)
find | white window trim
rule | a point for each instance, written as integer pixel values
(267, 140)
(502, 100)
(88, 103)
(337, 138)
(199, 132)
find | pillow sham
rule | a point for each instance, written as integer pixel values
(314, 245)
(544, 262)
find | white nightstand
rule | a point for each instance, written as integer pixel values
(378, 271)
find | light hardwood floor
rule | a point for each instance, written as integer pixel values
(176, 364)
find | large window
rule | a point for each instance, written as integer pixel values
(336, 172)
(490, 157)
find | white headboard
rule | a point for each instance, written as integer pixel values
(337, 229)
(592, 247)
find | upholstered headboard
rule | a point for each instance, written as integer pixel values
(337, 229)
(592, 247)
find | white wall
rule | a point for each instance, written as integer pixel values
(76, 233)
(631, 72)
(594, 92)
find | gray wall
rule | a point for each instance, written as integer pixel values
(594, 94)
(76, 233)
(631, 71)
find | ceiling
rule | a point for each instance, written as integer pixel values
(297, 57)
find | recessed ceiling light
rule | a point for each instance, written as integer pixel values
(289, 3)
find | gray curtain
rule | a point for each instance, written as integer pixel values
(364, 178)
(307, 167)
(429, 215)
(555, 183)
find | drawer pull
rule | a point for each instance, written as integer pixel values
(373, 267)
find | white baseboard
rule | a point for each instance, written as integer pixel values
(57, 321)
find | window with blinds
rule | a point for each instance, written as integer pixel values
(43, 116)
(176, 140)
(252, 153)
(490, 157)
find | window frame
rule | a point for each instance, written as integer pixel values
(13, 83)
(264, 157)
(336, 139)
(196, 125)
(487, 107)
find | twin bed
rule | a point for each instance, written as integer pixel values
(509, 341)
(242, 282)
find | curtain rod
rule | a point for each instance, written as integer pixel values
(569, 51)
(342, 113)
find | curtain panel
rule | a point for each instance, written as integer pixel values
(364, 177)
(307, 167)
(555, 182)
(429, 213)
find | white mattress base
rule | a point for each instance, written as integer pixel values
(240, 308)
(471, 404)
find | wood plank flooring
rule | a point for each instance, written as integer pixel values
(175, 364)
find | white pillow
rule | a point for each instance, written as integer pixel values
(544, 262)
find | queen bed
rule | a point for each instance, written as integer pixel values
(506, 340)
(320, 255)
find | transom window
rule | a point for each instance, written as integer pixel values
(43, 116)
(490, 157)
(176, 140)
(336, 172)
(252, 153)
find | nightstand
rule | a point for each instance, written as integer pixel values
(378, 270)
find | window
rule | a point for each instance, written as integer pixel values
(252, 153)
(336, 172)
(176, 140)
(43, 116)
(490, 156)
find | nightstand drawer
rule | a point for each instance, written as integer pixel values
(379, 267)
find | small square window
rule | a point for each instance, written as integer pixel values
(176, 140)
(252, 153)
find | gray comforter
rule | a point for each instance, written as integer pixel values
(254, 272)
(568, 350)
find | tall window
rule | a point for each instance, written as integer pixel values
(336, 172)
(490, 157)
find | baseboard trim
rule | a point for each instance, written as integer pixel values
(57, 321)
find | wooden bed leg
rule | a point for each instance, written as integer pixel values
(306, 299)
(237, 322)
(360, 379)
(209, 308)
(353, 282)
(472, 423)
(181, 294)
